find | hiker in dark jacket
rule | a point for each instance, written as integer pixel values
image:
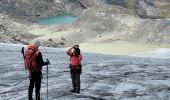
(75, 67)
(33, 63)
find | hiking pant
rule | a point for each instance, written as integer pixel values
(35, 79)
(75, 76)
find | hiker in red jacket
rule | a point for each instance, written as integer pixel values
(75, 67)
(33, 63)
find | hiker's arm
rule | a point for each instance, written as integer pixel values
(40, 60)
(81, 57)
(69, 52)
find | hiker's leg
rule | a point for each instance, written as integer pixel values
(31, 87)
(73, 78)
(38, 85)
(77, 81)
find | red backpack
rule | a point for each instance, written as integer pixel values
(30, 56)
(75, 61)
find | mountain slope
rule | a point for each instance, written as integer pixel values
(111, 23)
(31, 9)
(144, 8)
(12, 31)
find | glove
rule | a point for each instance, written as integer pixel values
(80, 71)
(48, 62)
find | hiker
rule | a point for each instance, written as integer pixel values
(33, 64)
(75, 67)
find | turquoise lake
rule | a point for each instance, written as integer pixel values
(166, 21)
(57, 20)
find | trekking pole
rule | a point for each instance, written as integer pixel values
(20, 81)
(22, 51)
(47, 74)
(47, 81)
(41, 95)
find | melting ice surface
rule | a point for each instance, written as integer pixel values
(158, 53)
(104, 77)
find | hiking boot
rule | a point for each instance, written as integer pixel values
(73, 91)
(77, 91)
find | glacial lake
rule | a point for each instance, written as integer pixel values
(66, 19)
(166, 21)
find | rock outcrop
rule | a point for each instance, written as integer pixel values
(29, 10)
(153, 8)
(144, 8)
(13, 32)
(17, 15)
(88, 3)
(118, 23)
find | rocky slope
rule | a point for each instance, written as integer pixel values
(31, 9)
(151, 8)
(144, 8)
(17, 15)
(111, 23)
(106, 23)
(12, 31)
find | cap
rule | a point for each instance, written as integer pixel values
(76, 46)
(36, 42)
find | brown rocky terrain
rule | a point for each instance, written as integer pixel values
(144, 8)
(12, 31)
(112, 23)
(101, 21)
(18, 15)
(30, 10)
